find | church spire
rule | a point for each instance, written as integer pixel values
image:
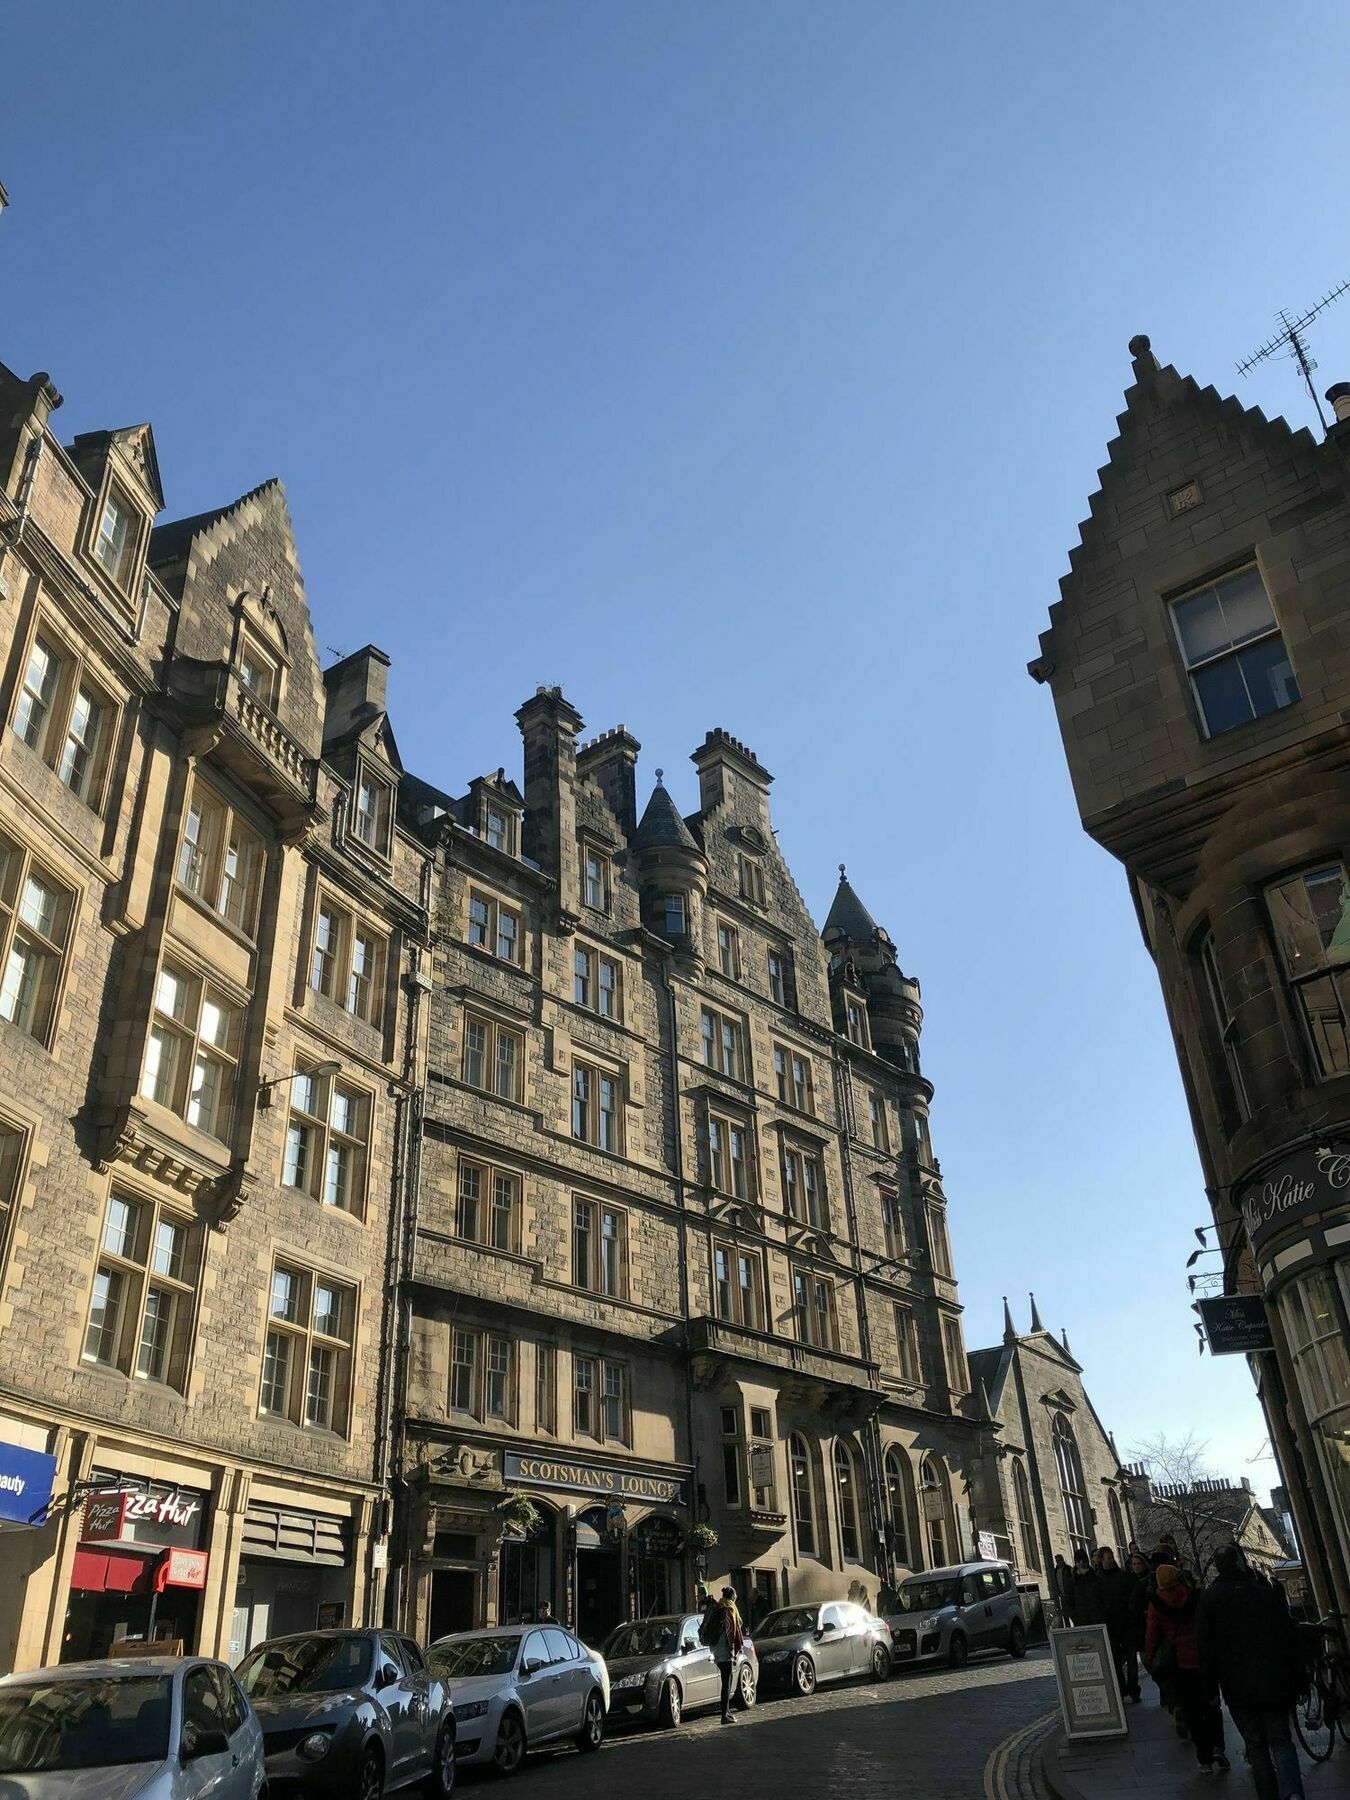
(1009, 1329)
(1035, 1316)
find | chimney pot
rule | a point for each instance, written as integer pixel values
(1339, 397)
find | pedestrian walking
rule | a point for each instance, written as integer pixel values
(1117, 1591)
(1141, 1591)
(1062, 1577)
(1248, 1644)
(1087, 1604)
(724, 1635)
(1170, 1648)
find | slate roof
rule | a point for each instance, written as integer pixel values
(661, 825)
(849, 918)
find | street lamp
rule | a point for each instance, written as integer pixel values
(319, 1070)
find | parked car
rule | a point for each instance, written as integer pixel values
(658, 1669)
(156, 1727)
(800, 1646)
(349, 1715)
(947, 1613)
(519, 1687)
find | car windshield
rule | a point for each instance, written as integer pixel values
(459, 1658)
(927, 1596)
(790, 1622)
(305, 1665)
(97, 1723)
(648, 1637)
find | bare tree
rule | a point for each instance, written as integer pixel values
(1185, 1502)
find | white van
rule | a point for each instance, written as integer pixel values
(946, 1614)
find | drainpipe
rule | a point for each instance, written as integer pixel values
(672, 1026)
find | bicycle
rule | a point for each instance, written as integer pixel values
(1322, 1710)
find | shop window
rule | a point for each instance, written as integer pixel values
(815, 1315)
(140, 1310)
(600, 1399)
(900, 1504)
(595, 879)
(1317, 1343)
(596, 982)
(723, 1044)
(1234, 652)
(856, 1027)
(373, 811)
(347, 961)
(1310, 914)
(907, 1346)
(738, 1286)
(730, 1165)
(327, 1141)
(63, 714)
(793, 1080)
(546, 1388)
(495, 927)
(192, 1051)
(731, 1456)
(803, 1495)
(846, 1498)
(596, 1116)
(494, 1057)
(803, 1187)
(487, 1207)
(307, 1349)
(220, 858)
(750, 875)
(958, 1376)
(35, 918)
(728, 950)
(600, 1249)
(782, 979)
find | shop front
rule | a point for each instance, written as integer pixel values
(295, 1574)
(139, 1568)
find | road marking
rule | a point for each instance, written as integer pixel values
(997, 1766)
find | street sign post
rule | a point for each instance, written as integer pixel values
(1090, 1701)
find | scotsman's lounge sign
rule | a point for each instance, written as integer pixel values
(1312, 1180)
(566, 1475)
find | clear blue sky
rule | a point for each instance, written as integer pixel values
(732, 363)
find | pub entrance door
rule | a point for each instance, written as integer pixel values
(452, 1602)
(599, 1578)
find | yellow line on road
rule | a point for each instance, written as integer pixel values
(997, 1766)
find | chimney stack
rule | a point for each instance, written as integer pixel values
(610, 761)
(357, 690)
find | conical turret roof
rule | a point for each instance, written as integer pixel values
(849, 918)
(661, 826)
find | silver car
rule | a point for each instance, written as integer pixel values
(519, 1687)
(130, 1728)
(801, 1646)
(946, 1614)
(659, 1669)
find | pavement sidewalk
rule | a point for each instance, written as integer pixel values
(1152, 1763)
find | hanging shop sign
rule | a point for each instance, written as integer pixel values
(182, 1568)
(566, 1475)
(26, 1478)
(658, 1537)
(1312, 1180)
(1236, 1324)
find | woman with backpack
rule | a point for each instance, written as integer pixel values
(1172, 1659)
(724, 1634)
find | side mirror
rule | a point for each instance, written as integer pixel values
(387, 1676)
(829, 1625)
(197, 1743)
(531, 1666)
(689, 1646)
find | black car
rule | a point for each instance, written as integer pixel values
(349, 1715)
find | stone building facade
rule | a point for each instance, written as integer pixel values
(1049, 1481)
(1199, 659)
(681, 1267)
(210, 1065)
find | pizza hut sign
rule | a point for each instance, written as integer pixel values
(160, 1516)
(1313, 1180)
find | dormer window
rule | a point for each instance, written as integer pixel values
(259, 672)
(371, 813)
(1235, 657)
(115, 539)
(751, 874)
(497, 829)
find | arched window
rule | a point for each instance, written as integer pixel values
(1072, 1487)
(1117, 1523)
(803, 1499)
(1026, 1522)
(900, 1497)
(937, 1511)
(846, 1491)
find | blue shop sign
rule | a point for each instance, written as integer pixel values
(26, 1478)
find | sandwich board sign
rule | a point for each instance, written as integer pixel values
(1090, 1701)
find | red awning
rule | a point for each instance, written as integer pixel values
(110, 1572)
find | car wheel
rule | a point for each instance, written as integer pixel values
(881, 1662)
(441, 1781)
(509, 1752)
(958, 1652)
(370, 1775)
(672, 1703)
(1017, 1639)
(592, 1723)
(745, 1688)
(803, 1676)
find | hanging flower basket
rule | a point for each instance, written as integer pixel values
(519, 1516)
(699, 1538)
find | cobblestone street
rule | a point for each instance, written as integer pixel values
(930, 1735)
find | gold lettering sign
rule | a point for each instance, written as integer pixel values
(587, 1478)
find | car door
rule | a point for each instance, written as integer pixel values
(572, 1674)
(419, 1687)
(243, 1731)
(831, 1648)
(396, 1697)
(859, 1646)
(698, 1668)
(218, 1774)
(537, 1684)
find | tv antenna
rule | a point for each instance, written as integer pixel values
(1289, 340)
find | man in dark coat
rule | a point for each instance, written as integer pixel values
(1247, 1641)
(1062, 1577)
(1087, 1603)
(1117, 1590)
